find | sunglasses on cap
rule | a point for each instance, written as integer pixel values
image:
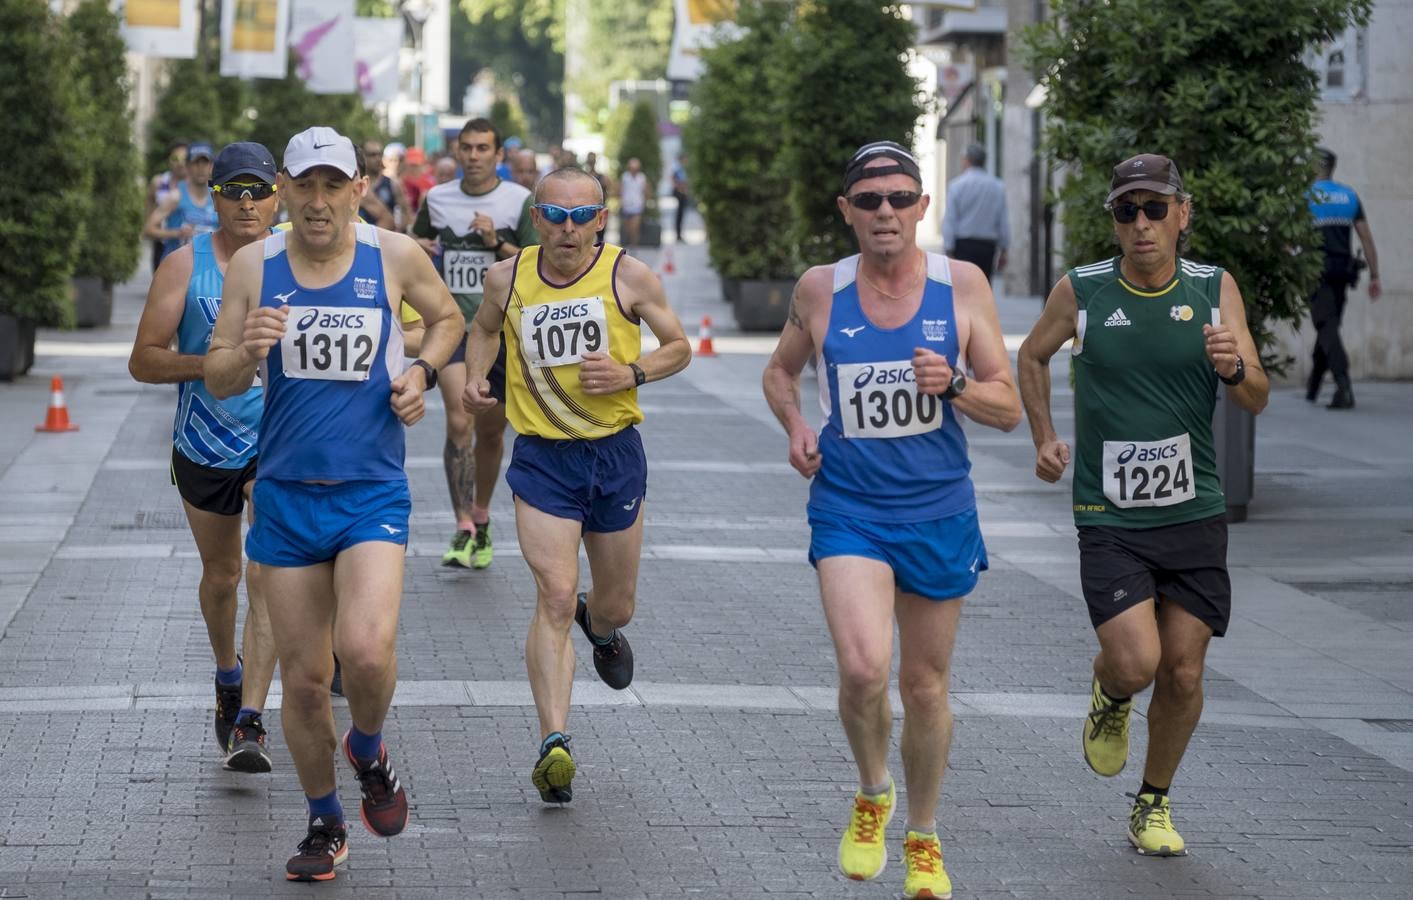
(1126, 213)
(871, 200)
(555, 215)
(239, 190)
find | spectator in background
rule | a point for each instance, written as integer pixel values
(164, 184)
(975, 226)
(417, 177)
(385, 188)
(681, 192)
(633, 199)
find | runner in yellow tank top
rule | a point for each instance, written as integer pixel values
(570, 310)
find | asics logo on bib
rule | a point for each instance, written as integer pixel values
(1148, 454)
(329, 320)
(559, 311)
(870, 375)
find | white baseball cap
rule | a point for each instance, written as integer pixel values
(320, 146)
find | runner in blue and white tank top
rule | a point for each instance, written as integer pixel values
(187, 209)
(214, 440)
(892, 511)
(311, 307)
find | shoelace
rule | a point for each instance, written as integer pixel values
(458, 543)
(242, 730)
(923, 855)
(376, 782)
(319, 842)
(1108, 721)
(1152, 815)
(868, 819)
(483, 537)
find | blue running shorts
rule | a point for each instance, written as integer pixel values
(939, 559)
(303, 524)
(600, 483)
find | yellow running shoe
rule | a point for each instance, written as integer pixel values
(1106, 733)
(1150, 827)
(481, 550)
(554, 773)
(926, 875)
(459, 554)
(862, 853)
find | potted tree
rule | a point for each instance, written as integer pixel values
(108, 254)
(1243, 136)
(740, 183)
(42, 225)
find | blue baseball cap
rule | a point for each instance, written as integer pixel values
(243, 158)
(198, 150)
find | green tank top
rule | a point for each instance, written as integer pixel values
(1143, 398)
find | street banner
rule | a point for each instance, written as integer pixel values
(321, 34)
(253, 43)
(165, 28)
(694, 28)
(376, 45)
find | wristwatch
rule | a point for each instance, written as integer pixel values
(428, 371)
(639, 376)
(958, 385)
(1236, 377)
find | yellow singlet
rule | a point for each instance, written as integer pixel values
(548, 328)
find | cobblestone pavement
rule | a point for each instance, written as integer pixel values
(723, 772)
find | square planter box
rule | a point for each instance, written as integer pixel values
(763, 305)
(93, 302)
(16, 346)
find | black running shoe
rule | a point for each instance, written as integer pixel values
(384, 808)
(614, 660)
(324, 847)
(227, 708)
(247, 751)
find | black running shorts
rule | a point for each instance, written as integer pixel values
(1186, 564)
(219, 491)
(497, 373)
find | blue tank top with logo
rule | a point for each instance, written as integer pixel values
(888, 452)
(201, 218)
(216, 433)
(328, 381)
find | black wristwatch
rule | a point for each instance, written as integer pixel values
(640, 377)
(431, 373)
(958, 385)
(1238, 376)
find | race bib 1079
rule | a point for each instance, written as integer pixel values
(560, 333)
(333, 343)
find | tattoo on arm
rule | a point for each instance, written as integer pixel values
(795, 310)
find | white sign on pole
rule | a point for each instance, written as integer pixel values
(253, 43)
(694, 29)
(321, 33)
(165, 28)
(376, 44)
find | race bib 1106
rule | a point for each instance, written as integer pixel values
(560, 333)
(1149, 473)
(333, 343)
(465, 270)
(881, 400)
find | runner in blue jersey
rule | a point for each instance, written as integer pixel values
(892, 511)
(314, 309)
(214, 441)
(186, 210)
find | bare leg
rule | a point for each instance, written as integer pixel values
(551, 548)
(457, 453)
(1177, 693)
(1129, 651)
(489, 430)
(257, 644)
(613, 564)
(301, 609)
(368, 585)
(218, 542)
(927, 630)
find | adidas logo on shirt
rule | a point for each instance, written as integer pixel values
(1117, 318)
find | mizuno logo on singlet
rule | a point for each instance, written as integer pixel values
(852, 331)
(392, 530)
(284, 298)
(1117, 318)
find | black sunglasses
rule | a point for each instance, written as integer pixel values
(238, 190)
(871, 200)
(1125, 213)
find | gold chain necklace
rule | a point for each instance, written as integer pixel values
(912, 287)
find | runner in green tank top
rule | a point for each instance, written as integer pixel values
(1152, 334)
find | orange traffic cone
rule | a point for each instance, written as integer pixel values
(704, 347)
(667, 267)
(57, 418)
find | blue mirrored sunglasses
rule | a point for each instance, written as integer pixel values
(555, 215)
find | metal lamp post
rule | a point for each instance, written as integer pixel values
(416, 12)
